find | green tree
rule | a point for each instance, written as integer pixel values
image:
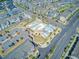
(2, 0)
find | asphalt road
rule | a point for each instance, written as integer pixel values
(75, 52)
(64, 41)
(65, 35)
